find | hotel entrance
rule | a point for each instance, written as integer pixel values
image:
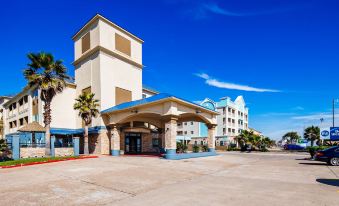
(133, 143)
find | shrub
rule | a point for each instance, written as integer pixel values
(196, 148)
(204, 148)
(181, 147)
(4, 151)
(314, 149)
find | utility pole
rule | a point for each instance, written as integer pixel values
(333, 111)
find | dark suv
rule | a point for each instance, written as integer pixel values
(330, 155)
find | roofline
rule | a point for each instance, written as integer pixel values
(150, 90)
(27, 88)
(162, 100)
(97, 17)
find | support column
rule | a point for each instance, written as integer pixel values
(53, 146)
(16, 147)
(211, 137)
(76, 146)
(170, 137)
(115, 141)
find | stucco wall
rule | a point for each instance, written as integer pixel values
(64, 151)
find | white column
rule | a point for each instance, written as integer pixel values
(170, 136)
(211, 137)
(115, 141)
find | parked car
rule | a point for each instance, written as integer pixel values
(329, 155)
(293, 147)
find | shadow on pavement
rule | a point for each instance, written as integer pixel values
(312, 163)
(331, 182)
(303, 158)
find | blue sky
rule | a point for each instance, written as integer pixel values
(281, 55)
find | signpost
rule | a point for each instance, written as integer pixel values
(334, 133)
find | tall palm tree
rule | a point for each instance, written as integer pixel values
(312, 134)
(50, 77)
(291, 137)
(87, 107)
(244, 137)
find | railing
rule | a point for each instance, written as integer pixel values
(32, 145)
(64, 144)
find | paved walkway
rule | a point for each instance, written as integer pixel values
(228, 179)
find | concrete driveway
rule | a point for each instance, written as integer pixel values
(227, 179)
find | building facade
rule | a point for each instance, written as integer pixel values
(133, 119)
(232, 120)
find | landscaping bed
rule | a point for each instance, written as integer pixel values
(42, 160)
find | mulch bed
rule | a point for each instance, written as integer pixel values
(47, 161)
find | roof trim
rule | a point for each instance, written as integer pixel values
(109, 52)
(99, 17)
(144, 102)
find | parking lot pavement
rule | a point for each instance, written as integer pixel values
(228, 179)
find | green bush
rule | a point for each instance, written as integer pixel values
(196, 148)
(181, 148)
(204, 148)
(314, 149)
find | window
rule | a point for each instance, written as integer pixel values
(192, 132)
(122, 44)
(185, 123)
(155, 142)
(122, 95)
(21, 121)
(144, 96)
(229, 129)
(233, 130)
(224, 131)
(201, 142)
(229, 109)
(195, 142)
(179, 132)
(224, 110)
(86, 42)
(224, 120)
(221, 143)
(191, 123)
(87, 90)
(185, 132)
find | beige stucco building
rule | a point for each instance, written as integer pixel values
(133, 119)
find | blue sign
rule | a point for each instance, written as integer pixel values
(334, 134)
(325, 133)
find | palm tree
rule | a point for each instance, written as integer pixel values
(291, 137)
(87, 107)
(243, 138)
(312, 134)
(50, 77)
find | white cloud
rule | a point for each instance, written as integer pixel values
(226, 85)
(313, 117)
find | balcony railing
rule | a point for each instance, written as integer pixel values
(32, 145)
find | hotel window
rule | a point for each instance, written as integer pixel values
(122, 95)
(192, 132)
(229, 129)
(224, 131)
(21, 122)
(185, 132)
(86, 42)
(202, 142)
(179, 132)
(122, 44)
(87, 90)
(229, 119)
(185, 123)
(224, 110)
(221, 143)
(233, 130)
(229, 109)
(191, 123)
(224, 120)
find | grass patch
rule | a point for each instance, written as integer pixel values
(33, 160)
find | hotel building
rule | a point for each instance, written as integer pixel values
(133, 119)
(232, 120)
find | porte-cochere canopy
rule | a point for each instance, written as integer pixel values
(163, 111)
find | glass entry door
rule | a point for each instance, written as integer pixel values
(132, 143)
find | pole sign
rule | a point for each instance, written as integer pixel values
(334, 134)
(325, 133)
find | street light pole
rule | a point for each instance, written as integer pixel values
(333, 112)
